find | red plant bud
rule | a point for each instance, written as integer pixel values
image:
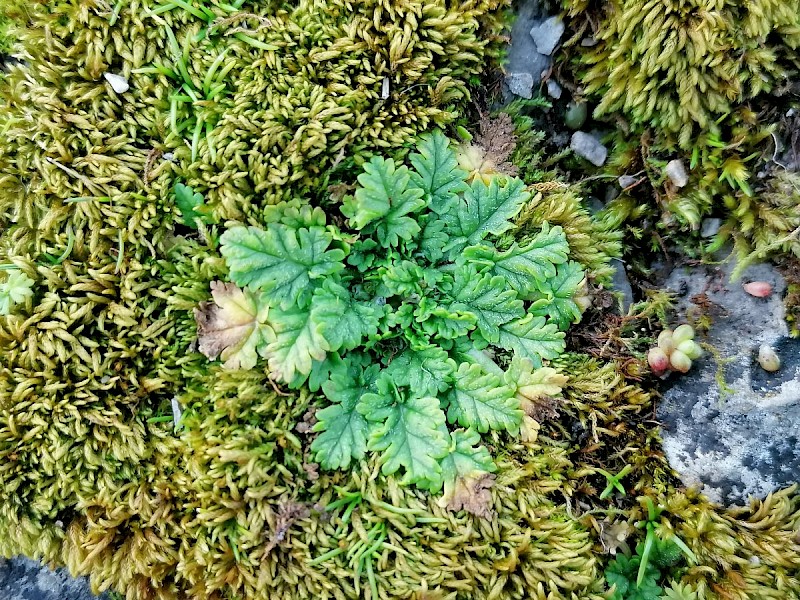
(759, 289)
(658, 360)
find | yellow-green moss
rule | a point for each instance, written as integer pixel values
(680, 65)
(92, 476)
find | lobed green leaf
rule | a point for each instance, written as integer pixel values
(281, 262)
(481, 400)
(533, 338)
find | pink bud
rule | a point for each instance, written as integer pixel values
(658, 360)
(759, 289)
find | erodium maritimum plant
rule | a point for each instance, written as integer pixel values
(403, 315)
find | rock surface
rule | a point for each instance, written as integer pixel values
(520, 84)
(710, 227)
(589, 147)
(522, 56)
(621, 285)
(25, 579)
(547, 34)
(742, 438)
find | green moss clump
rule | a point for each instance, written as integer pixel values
(769, 223)
(679, 66)
(692, 81)
(232, 508)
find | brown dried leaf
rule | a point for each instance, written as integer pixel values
(540, 409)
(613, 536)
(233, 326)
(491, 149)
(497, 137)
(287, 515)
(471, 493)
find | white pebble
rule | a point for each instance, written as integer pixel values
(677, 173)
(118, 82)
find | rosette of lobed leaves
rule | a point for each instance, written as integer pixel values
(396, 316)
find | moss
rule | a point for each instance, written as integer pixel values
(679, 66)
(227, 504)
(208, 517)
(703, 84)
(768, 224)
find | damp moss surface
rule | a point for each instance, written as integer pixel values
(251, 104)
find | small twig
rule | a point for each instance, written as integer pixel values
(775, 152)
(277, 389)
(73, 173)
(152, 156)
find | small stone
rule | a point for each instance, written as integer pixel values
(547, 35)
(676, 173)
(768, 358)
(588, 147)
(521, 55)
(710, 227)
(520, 84)
(177, 413)
(553, 89)
(621, 285)
(589, 42)
(118, 82)
(758, 289)
(626, 181)
(576, 115)
(594, 204)
(790, 112)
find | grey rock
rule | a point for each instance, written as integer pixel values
(553, 89)
(710, 227)
(547, 34)
(742, 438)
(520, 84)
(522, 56)
(676, 173)
(25, 579)
(589, 42)
(622, 286)
(626, 181)
(588, 147)
(612, 192)
(594, 204)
